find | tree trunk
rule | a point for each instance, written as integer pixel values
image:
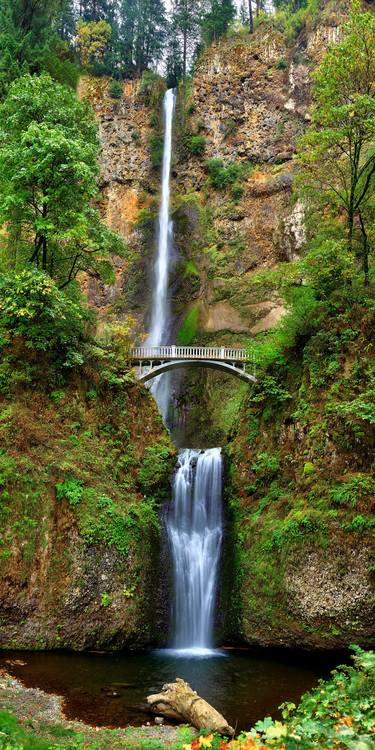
(178, 701)
(365, 250)
(251, 18)
(184, 57)
(44, 254)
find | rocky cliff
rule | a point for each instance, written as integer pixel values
(301, 493)
(298, 483)
(83, 472)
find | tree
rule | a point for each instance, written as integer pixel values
(48, 169)
(30, 41)
(150, 33)
(92, 41)
(338, 151)
(216, 21)
(94, 10)
(186, 20)
(251, 16)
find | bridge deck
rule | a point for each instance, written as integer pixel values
(165, 353)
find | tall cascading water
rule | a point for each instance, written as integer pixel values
(160, 313)
(194, 522)
(195, 530)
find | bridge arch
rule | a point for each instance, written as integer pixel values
(230, 369)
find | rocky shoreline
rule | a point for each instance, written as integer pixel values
(42, 713)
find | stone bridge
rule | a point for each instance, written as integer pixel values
(155, 360)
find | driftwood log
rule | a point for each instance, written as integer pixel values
(178, 701)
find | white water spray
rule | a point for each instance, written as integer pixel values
(160, 313)
(194, 527)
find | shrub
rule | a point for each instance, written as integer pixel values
(237, 191)
(115, 90)
(151, 88)
(222, 176)
(194, 144)
(34, 310)
(156, 150)
(70, 489)
(282, 64)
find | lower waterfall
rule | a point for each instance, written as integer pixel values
(195, 530)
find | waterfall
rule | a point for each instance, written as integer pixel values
(194, 527)
(160, 312)
(194, 522)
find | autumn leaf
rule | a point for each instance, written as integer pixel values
(206, 741)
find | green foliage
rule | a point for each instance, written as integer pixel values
(266, 466)
(103, 521)
(156, 144)
(70, 489)
(294, 528)
(48, 169)
(115, 89)
(359, 523)
(105, 600)
(151, 88)
(153, 466)
(93, 38)
(216, 21)
(357, 489)
(222, 176)
(282, 64)
(194, 144)
(30, 43)
(337, 152)
(34, 311)
(189, 327)
(237, 191)
(338, 712)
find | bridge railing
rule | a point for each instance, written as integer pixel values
(190, 352)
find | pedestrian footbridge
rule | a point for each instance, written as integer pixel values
(152, 361)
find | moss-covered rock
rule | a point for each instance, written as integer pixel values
(301, 492)
(83, 475)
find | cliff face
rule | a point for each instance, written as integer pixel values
(298, 488)
(301, 491)
(82, 477)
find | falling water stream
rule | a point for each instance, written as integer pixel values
(160, 312)
(194, 524)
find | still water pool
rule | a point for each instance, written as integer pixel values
(110, 689)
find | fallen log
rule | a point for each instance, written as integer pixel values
(178, 701)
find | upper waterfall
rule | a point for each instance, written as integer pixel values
(160, 311)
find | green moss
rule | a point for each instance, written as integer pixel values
(189, 327)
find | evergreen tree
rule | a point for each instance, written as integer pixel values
(174, 64)
(30, 42)
(186, 20)
(66, 20)
(150, 33)
(94, 10)
(216, 21)
(127, 31)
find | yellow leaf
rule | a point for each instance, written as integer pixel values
(206, 741)
(276, 731)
